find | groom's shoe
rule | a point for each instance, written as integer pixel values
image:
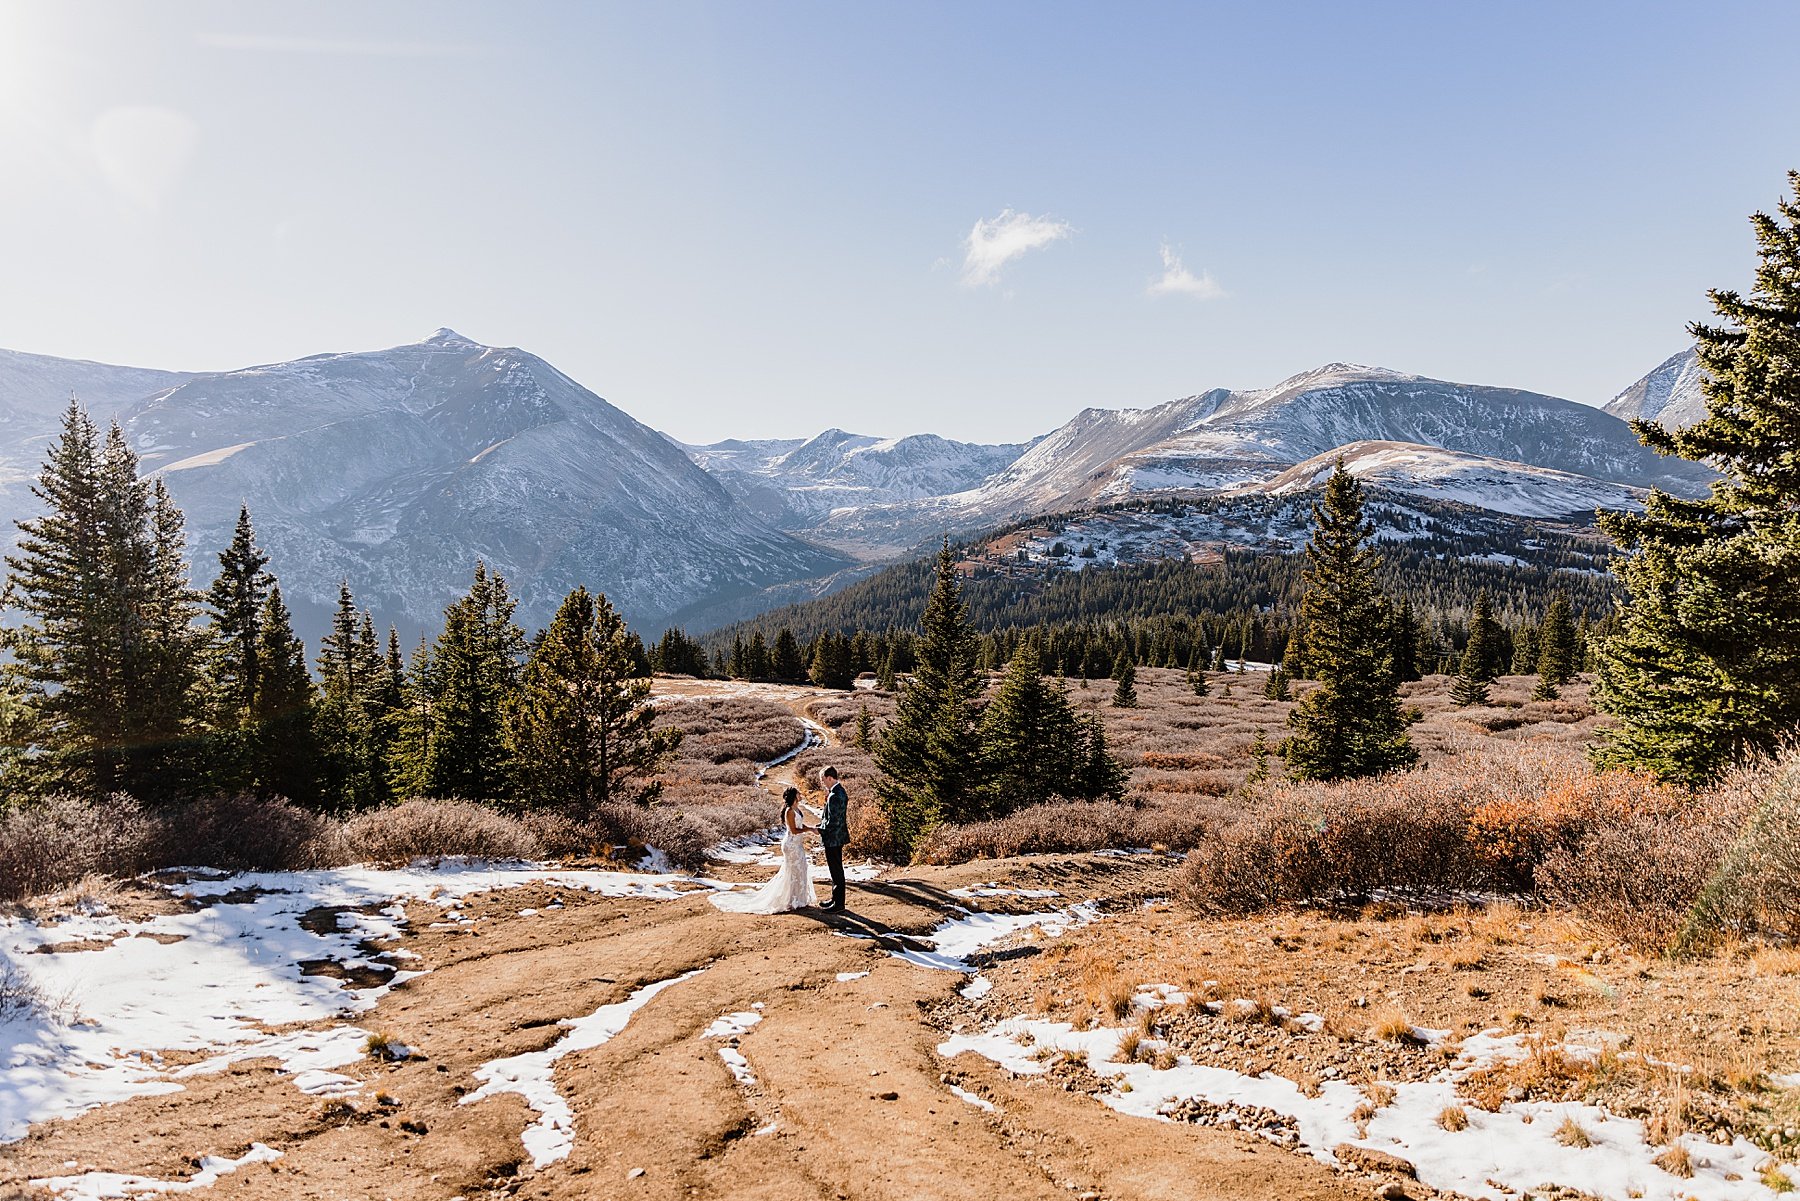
(831, 906)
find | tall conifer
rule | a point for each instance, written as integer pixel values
(1707, 664)
(927, 750)
(1351, 724)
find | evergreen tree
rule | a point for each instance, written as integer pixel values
(1526, 651)
(927, 749)
(1196, 671)
(235, 605)
(1102, 777)
(353, 749)
(789, 667)
(1276, 689)
(1031, 745)
(1125, 684)
(285, 750)
(475, 667)
(581, 727)
(889, 678)
(1259, 759)
(831, 662)
(1351, 724)
(1557, 650)
(103, 662)
(1477, 668)
(865, 730)
(1706, 666)
(1405, 627)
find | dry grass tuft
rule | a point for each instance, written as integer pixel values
(1676, 1162)
(1453, 1118)
(1570, 1134)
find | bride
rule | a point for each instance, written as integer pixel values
(792, 886)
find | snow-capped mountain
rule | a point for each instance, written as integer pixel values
(796, 484)
(34, 390)
(1670, 394)
(1451, 475)
(397, 469)
(1226, 440)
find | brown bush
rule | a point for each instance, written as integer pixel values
(419, 829)
(47, 844)
(1755, 888)
(242, 834)
(1061, 827)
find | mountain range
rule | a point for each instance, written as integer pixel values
(396, 469)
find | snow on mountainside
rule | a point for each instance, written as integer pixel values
(798, 483)
(1670, 394)
(34, 391)
(1225, 440)
(397, 469)
(1484, 483)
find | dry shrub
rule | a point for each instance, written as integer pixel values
(1061, 827)
(20, 997)
(1169, 761)
(1756, 886)
(1637, 877)
(721, 729)
(47, 844)
(1511, 833)
(871, 836)
(242, 834)
(419, 829)
(1453, 1118)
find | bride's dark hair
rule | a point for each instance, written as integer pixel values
(789, 796)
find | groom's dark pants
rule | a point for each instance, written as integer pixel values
(834, 863)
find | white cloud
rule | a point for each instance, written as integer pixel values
(142, 151)
(995, 242)
(1177, 280)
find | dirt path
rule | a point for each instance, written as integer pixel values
(850, 1098)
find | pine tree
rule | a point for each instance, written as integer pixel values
(581, 727)
(865, 730)
(789, 667)
(353, 749)
(235, 605)
(1276, 689)
(103, 662)
(1196, 670)
(1031, 744)
(1125, 684)
(1259, 759)
(1102, 777)
(1351, 724)
(1477, 668)
(1405, 635)
(1526, 651)
(888, 679)
(1707, 664)
(927, 749)
(475, 667)
(1557, 650)
(285, 750)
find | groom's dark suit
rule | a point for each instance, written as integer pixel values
(834, 833)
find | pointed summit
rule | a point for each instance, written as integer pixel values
(445, 336)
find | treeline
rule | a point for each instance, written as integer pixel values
(121, 679)
(1247, 604)
(1092, 649)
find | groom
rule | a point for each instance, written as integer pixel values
(834, 833)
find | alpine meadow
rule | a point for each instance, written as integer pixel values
(421, 778)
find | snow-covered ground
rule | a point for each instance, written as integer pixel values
(1497, 1155)
(215, 977)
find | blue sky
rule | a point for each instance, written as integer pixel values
(757, 219)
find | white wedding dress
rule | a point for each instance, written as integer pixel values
(791, 887)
